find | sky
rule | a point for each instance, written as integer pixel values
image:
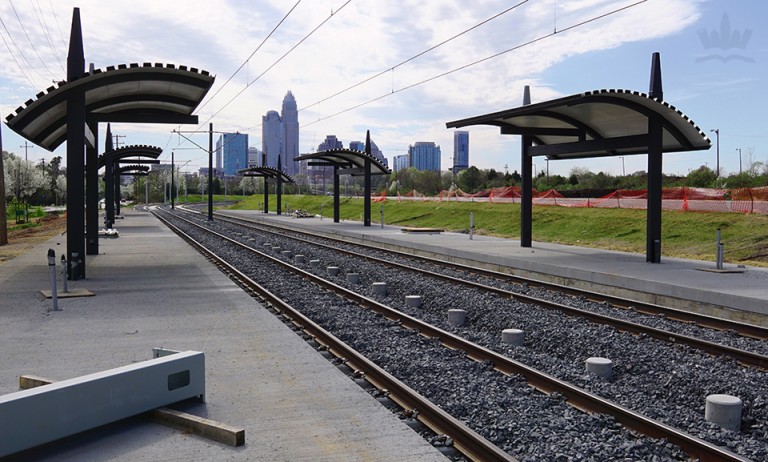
(557, 47)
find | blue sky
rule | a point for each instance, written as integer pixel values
(719, 88)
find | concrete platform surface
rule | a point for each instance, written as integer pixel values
(153, 290)
(680, 283)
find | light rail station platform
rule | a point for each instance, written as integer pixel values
(151, 289)
(739, 294)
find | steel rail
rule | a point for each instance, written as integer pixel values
(745, 357)
(577, 397)
(747, 330)
(466, 440)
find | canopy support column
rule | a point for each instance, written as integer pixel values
(75, 155)
(279, 187)
(526, 199)
(92, 194)
(653, 220)
(266, 195)
(336, 194)
(367, 181)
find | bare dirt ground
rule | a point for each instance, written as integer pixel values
(21, 241)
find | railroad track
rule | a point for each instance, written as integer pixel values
(575, 396)
(743, 356)
(744, 329)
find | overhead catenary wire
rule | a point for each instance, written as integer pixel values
(31, 43)
(18, 49)
(418, 55)
(44, 26)
(251, 55)
(248, 85)
(479, 61)
(21, 69)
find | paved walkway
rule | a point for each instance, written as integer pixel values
(152, 289)
(681, 283)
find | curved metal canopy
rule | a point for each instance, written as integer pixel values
(133, 170)
(151, 93)
(595, 124)
(350, 162)
(266, 172)
(118, 154)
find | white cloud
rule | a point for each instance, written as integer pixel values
(360, 40)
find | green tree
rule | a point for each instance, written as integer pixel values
(470, 179)
(702, 177)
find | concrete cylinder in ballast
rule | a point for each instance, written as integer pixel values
(457, 317)
(514, 337)
(724, 410)
(379, 288)
(601, 367)
(299, 258)
(333, 270)
(287, 254)
(314, 263)
(414, 301)
(353, 278)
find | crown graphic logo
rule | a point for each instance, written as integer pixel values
(725, 39)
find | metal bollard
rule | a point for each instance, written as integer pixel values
(381, 210)
(719, 257)
(52, 272)
(471, 225)
(64, 273)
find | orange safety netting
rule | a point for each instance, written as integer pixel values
(380, 198)
(742, 200)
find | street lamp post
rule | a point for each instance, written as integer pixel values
(717, 135)
(739, 149)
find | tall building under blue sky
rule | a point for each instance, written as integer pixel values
(424, 155)
(460, 151)
(280, 136)
(290, 117)
(232, 148)
(271, 138)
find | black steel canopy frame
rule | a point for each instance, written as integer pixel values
(277, 174)
(349, 162)
(71, 112)
(600, 123)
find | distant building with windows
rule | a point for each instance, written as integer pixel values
(424, 155)
(280, 136)
(375, 151)
(232, 148)
(330, 142)
(460, 151)
(400, 162)
(254, 157)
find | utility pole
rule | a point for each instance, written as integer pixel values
(117, 140)
(26, 147)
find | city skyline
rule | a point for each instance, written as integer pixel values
(403, 94)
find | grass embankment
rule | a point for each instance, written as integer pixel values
(684, 234)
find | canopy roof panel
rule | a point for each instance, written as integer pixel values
(266, 172)
(595, 124)
(353, 161)
(138, 150)
(152, 93)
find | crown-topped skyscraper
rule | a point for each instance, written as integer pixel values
(280, 136)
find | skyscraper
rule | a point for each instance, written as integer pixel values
(400, 162)
(271, 138)
(424, 155)
(280, 136)
(290, 116)
(232, 149)
(375, 151)
(460, 151)
(330, 142)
